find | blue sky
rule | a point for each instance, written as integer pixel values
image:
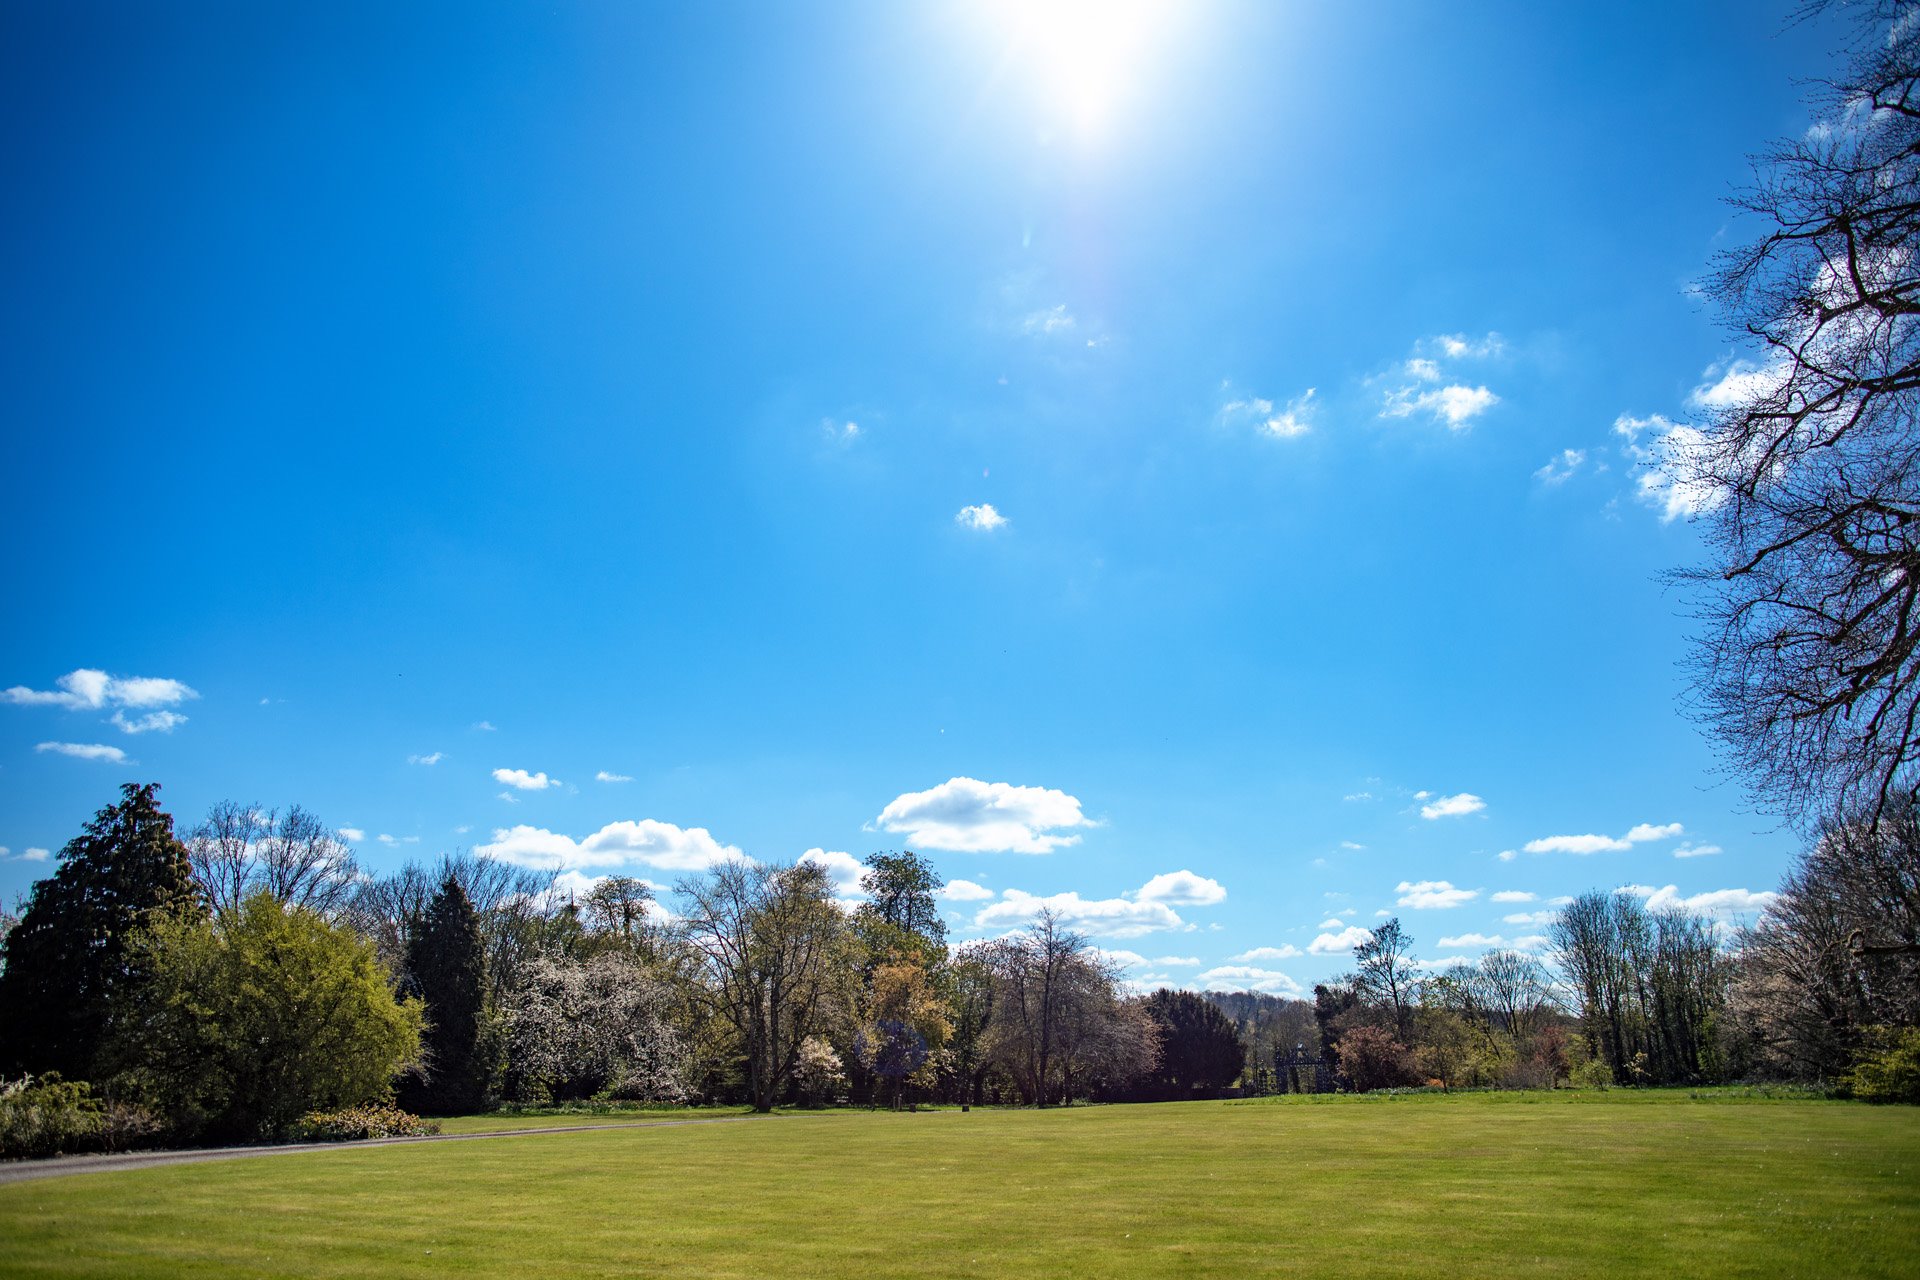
(1197, 440)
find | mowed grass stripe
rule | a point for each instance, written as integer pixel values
(1625, 1184)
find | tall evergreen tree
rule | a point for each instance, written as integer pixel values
(446, 965)
(68, 958)
(1200, 1047)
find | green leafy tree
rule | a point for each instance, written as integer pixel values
(245, 1022)
(67, 960)
(1200, 1047)
(446, 968)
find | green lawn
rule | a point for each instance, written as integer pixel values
(497, 1121)
(1493, 1185)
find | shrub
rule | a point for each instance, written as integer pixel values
(353, 1124)
(48, 1116)
(1888, 1070)
(1372, 1059)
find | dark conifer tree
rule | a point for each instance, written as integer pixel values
(1200, 1047)
(68, 962)
(447, 969)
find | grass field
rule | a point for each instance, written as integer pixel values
(1482, 1185)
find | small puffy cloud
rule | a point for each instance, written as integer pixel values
(432, 759)
(965, 891)
(1331, 922)
(1234, 977)
(1529, 942)
(152, 722)
(352, 834)
(1452, 806)
(660, 845)
(1048, 320)
(1260, 954)
(604, 776)
(843, 870)
(1696, 851)
(1165, 962)
(1715, 902)
(841, 433)
(1433, 895)
(1739, 382)
(965, 815)
(1290, 421)
(1458, 346)
(521, 780)
(1507, 855)
(1105, 917)
(1423, 369)
(1645, 831)
(1121, 959)
(1512, 895)
(1357, 796)
(1560, 469)
(1182, 889)
(395, 841)
(1472, 940)
(1348, 844)
(88, 689)
(1640, 833)
(1457, 405)
(1665, 453)
(1333, 944)
(1535, 918)
(35, 855)
(85, 751)
(982, 517)
(484, 726)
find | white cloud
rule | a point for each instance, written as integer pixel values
(1472, 940)
(521, 780)
(1645, 831)
(1358, 796)
(1049, 320)
(1696, 851)
(604, 776)
(1423, 369)
(1286, 952)
(1530, 917)
(1348, 844)
(1512, 895)
(966, 815)
(1666, 463)
(462, 829)
(85, 751)
(89, 689)
(1169, 962)
(509, 797)
(1458, 346)
(648, 843)
(982, 517)
(152, 722)
(1453, 806)
(1641, 833)
(1333, 944)
(1559, 470)
(1457, 405)
(354, 834)
(392, 841)
(1331, 922)
(843, 870)
(1121, 959)
(1233, 977)
(1290, 421)
(1107, 917)
(1739, 382)
(965, 891)
(484, 726)
(841, 433)
(1433, 895)
(432, 759)
(1715, 902)
(1182, 889)
(36, 855)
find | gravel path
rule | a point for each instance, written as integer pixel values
(61, 1166)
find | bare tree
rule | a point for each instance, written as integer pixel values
(776, 962)
(516, 907)
(1806, 474)
(1385, 973)
(239, 850)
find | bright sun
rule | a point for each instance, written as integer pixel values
(1087, 53)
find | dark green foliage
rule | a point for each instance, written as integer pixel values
(68, 961)
(47, 1116)
(900, 889)
(1200, 1047)
(246, 1022)
(446, 968)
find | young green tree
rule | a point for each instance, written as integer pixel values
(67, 960)
(446, 968)
(244, 1022)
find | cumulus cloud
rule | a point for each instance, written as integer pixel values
(1739, 382)
(1234, 977)
(982, 517)
(1472, 940)
(85, 751)
(1104, 917)
(1512, 895)
(1458, 346)
(1715, 902)
(1457, 405)
(1640, 833)
(1182, 889)
(88, 689)
(1529, 917)
(1451, 806)
(35, 855)
(965, 891)
(660, 845)
(1560, 469)
(485, 726)
(1331, 922)
(965, 815)
(353, 834)
(521, 780)
(1696, 851)
(1259, 954)
(433, 759)
(1664, 453)
(1165, 962)
(604, 776)
(1333, 944)
(843, 870)
(152, 722)
(393, 841)
(1433, 895)
(1291, 420)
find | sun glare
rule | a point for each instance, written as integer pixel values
(1085, 54)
